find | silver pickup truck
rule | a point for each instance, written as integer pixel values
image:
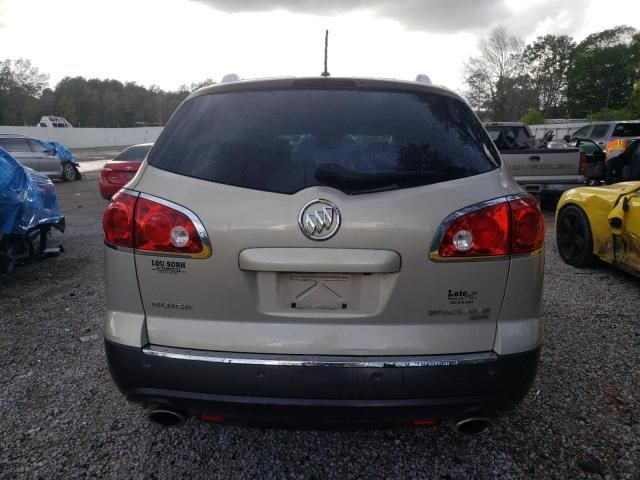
(542, 171)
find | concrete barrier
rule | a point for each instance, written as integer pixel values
(89, 137)
(118, 137)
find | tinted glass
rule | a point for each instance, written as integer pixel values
(599, 131)
(15, 145)
(133, 154)
(627, 130)
(355, 140)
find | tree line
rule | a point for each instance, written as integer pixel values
(553, 77)
(25, 98)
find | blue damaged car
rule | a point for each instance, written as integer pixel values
(28, 211)
(50, 158)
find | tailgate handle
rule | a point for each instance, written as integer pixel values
(319, 260)
(534, 158)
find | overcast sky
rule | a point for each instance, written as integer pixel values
(174, 42)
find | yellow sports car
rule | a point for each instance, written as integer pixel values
(600, 222)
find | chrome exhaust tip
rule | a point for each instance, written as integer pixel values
(167, 418)
(472, 425)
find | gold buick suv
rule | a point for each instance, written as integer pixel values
(323, 252)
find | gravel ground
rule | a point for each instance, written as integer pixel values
(63, 418)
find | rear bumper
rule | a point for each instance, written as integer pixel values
(320, 391)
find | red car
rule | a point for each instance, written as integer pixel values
(117, 173)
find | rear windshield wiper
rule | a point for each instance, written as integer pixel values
(336, 175)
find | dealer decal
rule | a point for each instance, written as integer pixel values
(172, 267)
(462, 297)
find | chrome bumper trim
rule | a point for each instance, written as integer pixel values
(416, 361)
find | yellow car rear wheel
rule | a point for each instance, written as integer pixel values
(574, 238)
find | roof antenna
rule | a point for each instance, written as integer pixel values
(326, 47)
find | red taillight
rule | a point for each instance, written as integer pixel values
(512, 226)
(118, 173)
(582, 169)
(119, 178)
(117, 221)
(480, 233)
(527, 225)
(160, 228)
(153, 226)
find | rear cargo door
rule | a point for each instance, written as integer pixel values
(370, 289)
(321, 208)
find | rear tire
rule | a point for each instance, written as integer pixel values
(574, 238)
(7, 257)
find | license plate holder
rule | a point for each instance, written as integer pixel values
(317, 291)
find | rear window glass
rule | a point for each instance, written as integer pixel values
(133, 154)
(355, 140)
(627, 130)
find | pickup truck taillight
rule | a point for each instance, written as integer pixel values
(153, 225)
(583, 163)
(510, 225)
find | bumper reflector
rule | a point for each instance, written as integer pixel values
(211, 418)
(425, 422)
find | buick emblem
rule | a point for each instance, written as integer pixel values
(319, 219)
